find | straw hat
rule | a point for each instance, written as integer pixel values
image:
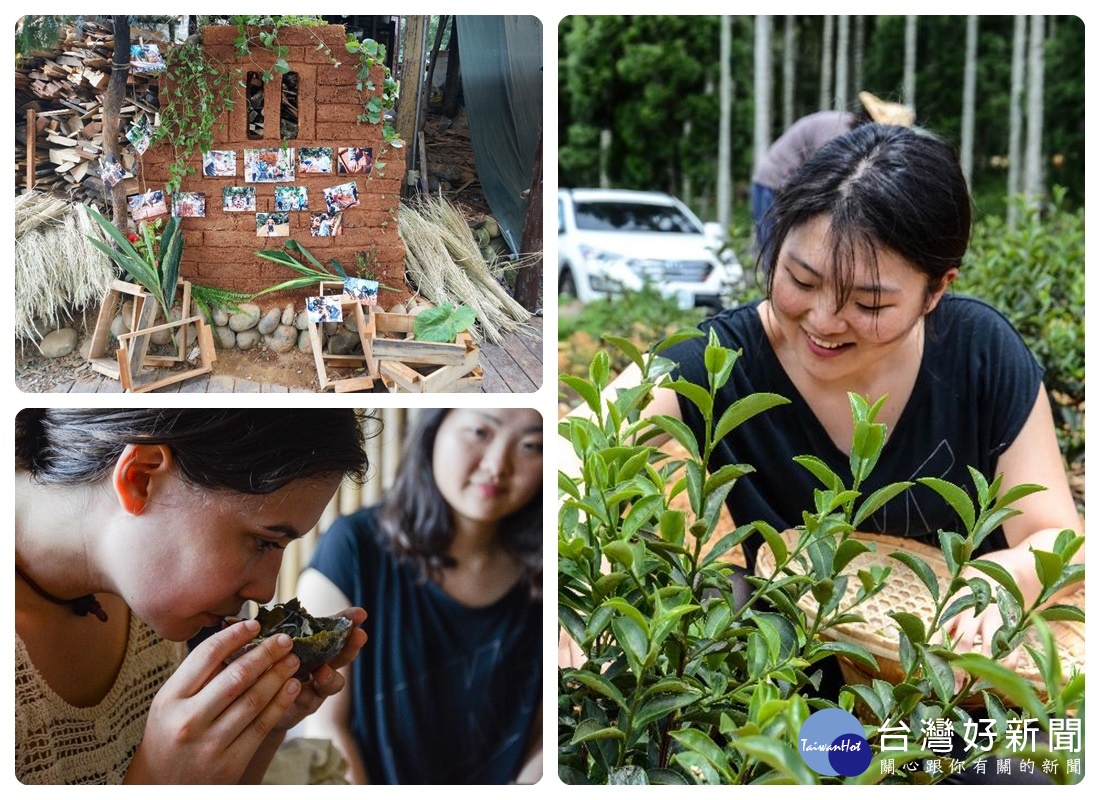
(887, 113)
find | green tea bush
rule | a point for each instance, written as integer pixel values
(1034, 273)
(681, 683)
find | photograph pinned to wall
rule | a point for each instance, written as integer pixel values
(363, 290)
(324, 309)
(219, 163)
(354, 160)
(268, 165)
(326, 223)
(239, 198)
(291, 198)
(337, 198)
(146, 58)
(110, 170)
(315, 160)
(140, 134)
(277, 224)
(148, 205)
(189, 204)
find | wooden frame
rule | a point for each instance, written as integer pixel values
(126, 362)
(144, 312)
(362, 383)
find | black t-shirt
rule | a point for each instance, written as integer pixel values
(442, 693)
(976, 387)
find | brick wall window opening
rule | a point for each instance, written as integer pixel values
(254, 93)
(288, 106)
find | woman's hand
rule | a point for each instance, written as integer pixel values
(209, 718)
(326, 680)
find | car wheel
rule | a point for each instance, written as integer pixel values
(566, 285)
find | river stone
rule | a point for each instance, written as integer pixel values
(288, 314)
(246, 318)
(224, 337)
(305, 343)
(283, 340)
(221, 317)
(161, 337)
(343, 343)
(248, 339)
(119, 326)
(270, 322)
(301, 321)
(331, 328)
(59, 343)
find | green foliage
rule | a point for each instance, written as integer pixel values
(35, 33)
(208, 298)
(153, 264)
(200, 93)
(1034, 273)
(681, 683)
(312, 271)
(443, 323)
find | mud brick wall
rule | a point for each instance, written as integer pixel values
(219, 249)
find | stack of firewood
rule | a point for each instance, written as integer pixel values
(60, 94)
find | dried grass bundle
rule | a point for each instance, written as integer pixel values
(57, 270)
(445, 263)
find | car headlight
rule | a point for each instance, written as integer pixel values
(594, 254)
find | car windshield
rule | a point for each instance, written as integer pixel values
(632, 217)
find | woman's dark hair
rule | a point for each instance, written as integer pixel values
(416, 519)
(881, 186)
(253, 451)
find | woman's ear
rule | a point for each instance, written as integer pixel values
(137, 474)
(934, 297)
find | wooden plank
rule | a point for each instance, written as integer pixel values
(443, 379)
(199, 384)
(366, 326)
(87, 384)
(318, 354)
(492, 382)
(363, 384)
(393, 323)
(513, 376)
(531, 366)
(32, 138)
(220, 383)
(149, 387)
(411, 351)
(270, 388)
(105, 366)
(406, 379)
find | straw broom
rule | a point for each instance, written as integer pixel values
(57, 269)
(445, 263)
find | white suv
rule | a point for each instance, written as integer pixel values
(615, 239)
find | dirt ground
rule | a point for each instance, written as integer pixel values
(34, 373)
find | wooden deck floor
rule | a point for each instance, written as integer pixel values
(514, 366)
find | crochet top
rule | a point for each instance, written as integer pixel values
(57, 743)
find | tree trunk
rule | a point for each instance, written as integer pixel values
(790, 42)
(725, 114)
(823, 100)
(412, 73)
(859, 39)
(1033, 169)
(970, 77)
(529, 279)
(843, 53)
(1016, 117)
(762, 85)
(453, 87)
(112, 109)
(909, 70)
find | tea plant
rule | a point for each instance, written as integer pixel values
(685, 682)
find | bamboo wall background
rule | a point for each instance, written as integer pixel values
(383, 456)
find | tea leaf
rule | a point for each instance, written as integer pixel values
(597, 683)
(589, 731)
(955, 497)
(778, 755)
(1001, 575)
(921, 570)
(745, 409)
(699, 396)
(586, 390)
(627, 347)
(1006, 682)
(821, 471)
(877, 499)
(700, 743)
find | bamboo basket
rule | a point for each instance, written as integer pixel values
(904, 591)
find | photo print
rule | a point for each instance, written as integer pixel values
(268, 165)
(354, 160)
(140, 134)
(148, 205)
(146, 58)
(110, 170)
(219, 163)
(189, 204)
(239, 198)
(337, 198)
(324, 309)
(363, 290)
(291, 198)
(315, 160)
(276, 224)
(326, 223)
